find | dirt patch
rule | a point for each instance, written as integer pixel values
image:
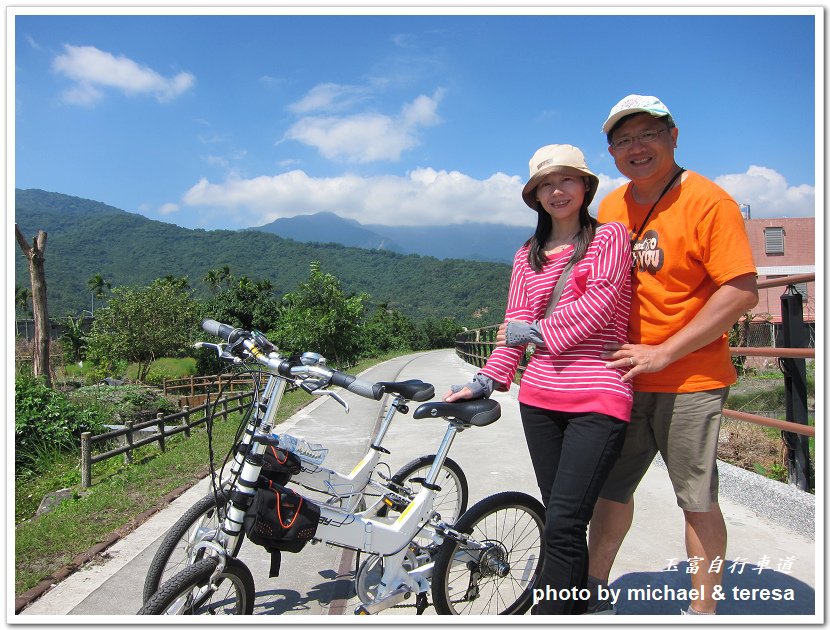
(744, 445)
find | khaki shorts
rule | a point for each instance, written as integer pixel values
(684, 429)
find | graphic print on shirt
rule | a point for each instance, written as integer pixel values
(648, 256)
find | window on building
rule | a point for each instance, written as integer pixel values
(774, 240)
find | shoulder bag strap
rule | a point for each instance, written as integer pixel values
(559, 288)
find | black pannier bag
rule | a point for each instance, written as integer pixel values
(280, 519)
(278, 465)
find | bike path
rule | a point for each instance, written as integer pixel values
(318, 581)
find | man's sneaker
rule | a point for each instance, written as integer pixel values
(600, 607)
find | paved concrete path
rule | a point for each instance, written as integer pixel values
(767, 554)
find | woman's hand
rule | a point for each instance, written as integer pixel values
(501, 336)
(465, 393)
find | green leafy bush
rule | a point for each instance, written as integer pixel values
(45, 421)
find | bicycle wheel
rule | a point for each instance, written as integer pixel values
(189, 592)
(450, 501)
(176, 550)
(494, 572)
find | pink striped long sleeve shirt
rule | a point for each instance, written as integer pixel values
(567, 373)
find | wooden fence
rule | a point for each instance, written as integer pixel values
(133, 435)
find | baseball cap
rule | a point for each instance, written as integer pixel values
(632, 104)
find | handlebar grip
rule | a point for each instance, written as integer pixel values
(226, 332)
(357, 386)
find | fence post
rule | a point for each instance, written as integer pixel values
(224, 408)
(128, 455)
(86, 460)
(160, 419)
(794, 335)
(186, 410)
(164, 386)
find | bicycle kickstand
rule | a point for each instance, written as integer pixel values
(421, 603)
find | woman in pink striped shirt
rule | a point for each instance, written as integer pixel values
(574, 409)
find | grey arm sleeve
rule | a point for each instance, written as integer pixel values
(523, 333)
(481, 386)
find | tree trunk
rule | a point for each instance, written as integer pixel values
(37, 273)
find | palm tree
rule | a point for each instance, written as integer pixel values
(22, 297)
(98, 287)
(182, 283)
(215, 278)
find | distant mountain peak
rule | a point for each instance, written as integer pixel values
(329, 227)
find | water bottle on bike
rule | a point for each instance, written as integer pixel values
(311, 453)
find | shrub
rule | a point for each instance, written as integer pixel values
(46, 421)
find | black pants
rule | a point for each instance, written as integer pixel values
(572, 454)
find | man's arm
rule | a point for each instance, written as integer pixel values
(721, 311)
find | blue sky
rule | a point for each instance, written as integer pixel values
(231, 121)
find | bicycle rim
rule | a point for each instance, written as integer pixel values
(494, 574)
(176, 552)
(451, 501)
(190, 592)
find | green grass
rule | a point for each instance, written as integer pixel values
(166, 368)
(119, 493)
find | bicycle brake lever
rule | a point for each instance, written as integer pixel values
(218, 347)
(335, 395)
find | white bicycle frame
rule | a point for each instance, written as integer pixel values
(363, 531)
(347, 489)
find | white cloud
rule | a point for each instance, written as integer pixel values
(328, 97)
(168, 208)
(768, 193)
(93, 69)
(367, 137)
(423, 196)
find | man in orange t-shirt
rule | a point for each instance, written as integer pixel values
(693, 278)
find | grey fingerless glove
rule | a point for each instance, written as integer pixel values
(523, 333)
(481, 386)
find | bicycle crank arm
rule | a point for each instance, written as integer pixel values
(393, 599)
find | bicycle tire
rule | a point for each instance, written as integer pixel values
(188, 592)
(173, 554)
(451, 500)
(499, 580)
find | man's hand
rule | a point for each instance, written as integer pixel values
(635, 358)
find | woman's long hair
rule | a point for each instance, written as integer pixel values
(544, 225)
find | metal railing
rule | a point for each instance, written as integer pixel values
(475, 346)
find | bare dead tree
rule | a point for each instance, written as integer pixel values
(37, 274)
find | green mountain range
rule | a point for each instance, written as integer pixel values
(87, 237)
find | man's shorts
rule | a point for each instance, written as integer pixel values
(684, 429)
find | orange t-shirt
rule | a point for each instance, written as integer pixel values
(694, 242)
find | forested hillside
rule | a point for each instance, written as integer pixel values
(87, 238)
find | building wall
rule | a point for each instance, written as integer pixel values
(799, 257)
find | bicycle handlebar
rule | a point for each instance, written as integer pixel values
(228, 333)
(284, 367)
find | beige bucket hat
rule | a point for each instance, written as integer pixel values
(558, 158)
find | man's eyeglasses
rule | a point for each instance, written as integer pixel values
(645, 137)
